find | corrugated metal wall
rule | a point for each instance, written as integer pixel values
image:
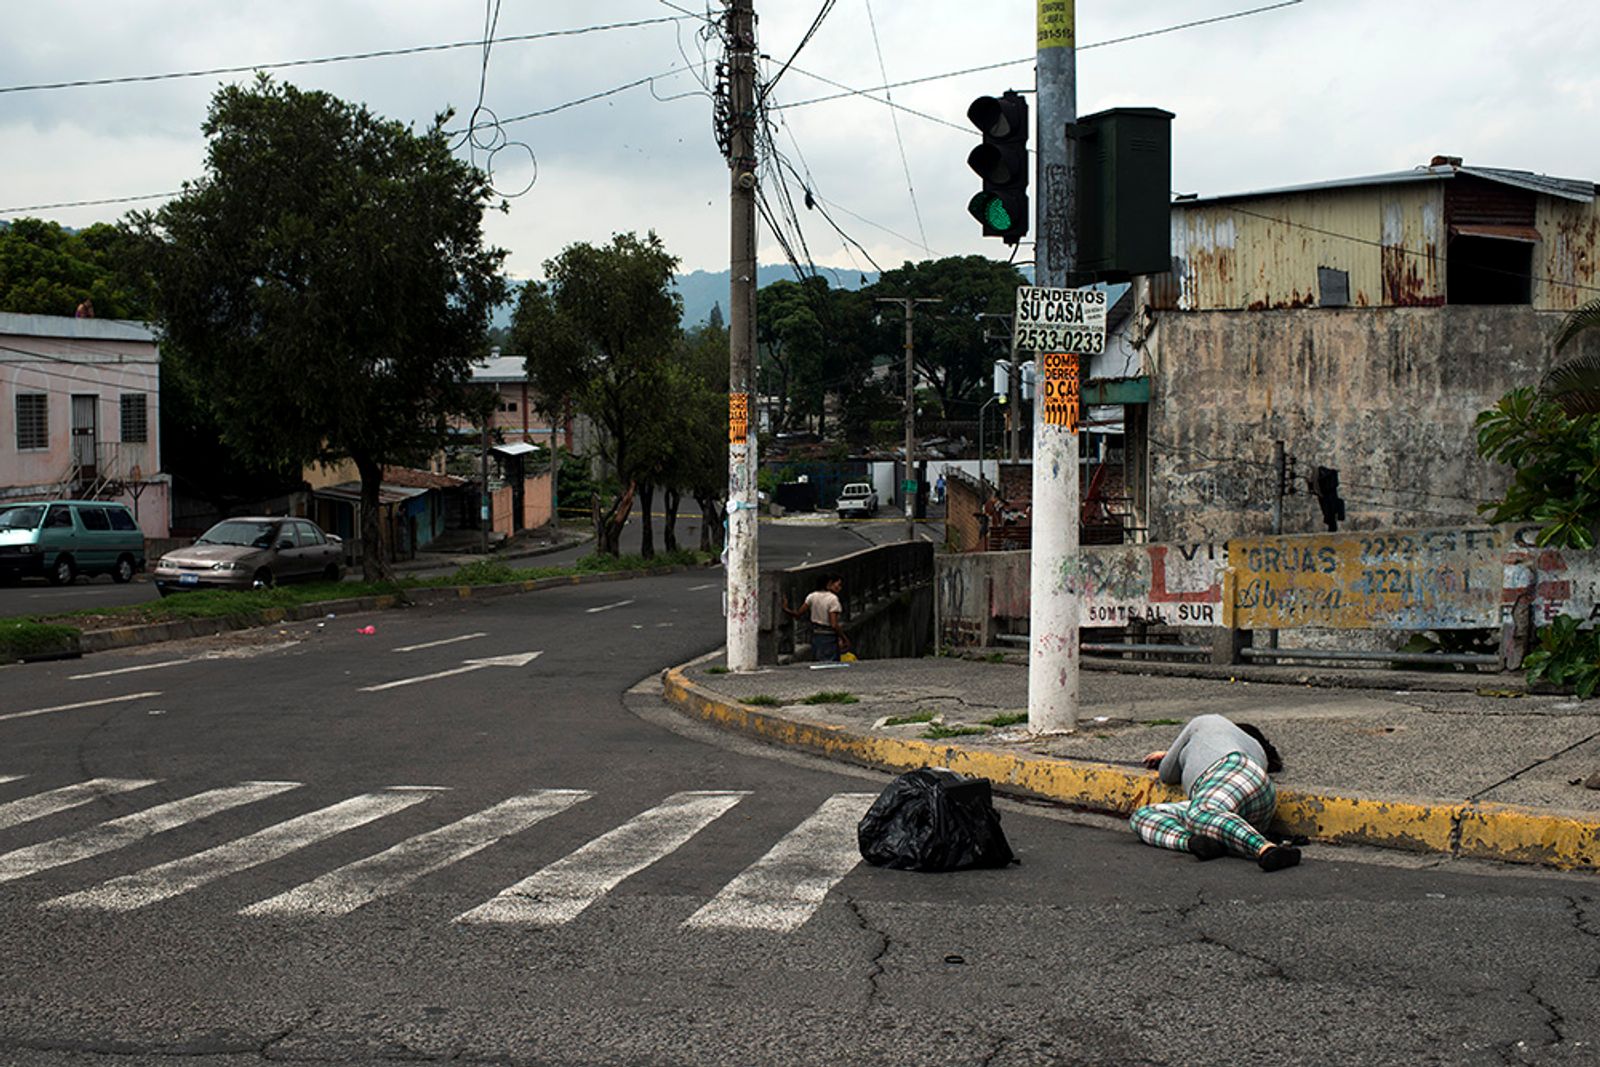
(1264, 253)
(1566, 263)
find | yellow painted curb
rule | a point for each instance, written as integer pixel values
(1502, 832)
(1481, 831)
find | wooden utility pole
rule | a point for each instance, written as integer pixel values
(908, 484)
(743, 613)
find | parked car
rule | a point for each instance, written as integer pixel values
(250, 553)
(856, 500)
(61, 539)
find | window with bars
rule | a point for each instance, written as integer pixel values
(135, 418)
(33, 421)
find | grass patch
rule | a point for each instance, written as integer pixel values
(717, 670)
(1163, 722)
(22, 638)
(1010, 718)
(995, 657)
(909, 720)
(939, 730)
(830, 696)
(762, 700)
(230, 603)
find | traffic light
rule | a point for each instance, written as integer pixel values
(1002, 162)
(1326, 487)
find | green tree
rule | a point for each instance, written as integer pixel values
(700, 460)
(951, 353)
(46, 269)
(1575, 384)
(1555, 462)
(600, 329)
(325, 283)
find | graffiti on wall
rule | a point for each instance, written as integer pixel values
(1385, 580)
(1168, 585)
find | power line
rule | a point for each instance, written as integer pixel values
(827, 6)
(894, 119)
(87, 203)
(1030, 59)
(344, 58)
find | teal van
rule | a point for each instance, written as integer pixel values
(61, 539)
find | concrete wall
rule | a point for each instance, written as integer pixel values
(1387, 396)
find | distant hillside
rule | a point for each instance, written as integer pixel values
(703, 290)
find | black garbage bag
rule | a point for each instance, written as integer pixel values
(933, 820)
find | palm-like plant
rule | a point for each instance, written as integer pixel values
(1575, 384)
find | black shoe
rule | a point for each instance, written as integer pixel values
(1277, 857)
(1205, 848)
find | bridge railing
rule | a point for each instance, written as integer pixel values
(887, 601)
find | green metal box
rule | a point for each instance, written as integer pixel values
(1124, 192)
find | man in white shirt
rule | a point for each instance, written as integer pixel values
(827, 627)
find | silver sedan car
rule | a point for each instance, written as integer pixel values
(254, 552)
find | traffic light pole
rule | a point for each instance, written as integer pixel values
(742, 610)
(1056, 576)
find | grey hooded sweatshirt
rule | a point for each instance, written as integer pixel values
(1205, 740)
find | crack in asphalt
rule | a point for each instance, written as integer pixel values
(265, 1048)
(875, 971)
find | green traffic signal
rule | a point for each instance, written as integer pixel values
(990, 209)
(1001, 160)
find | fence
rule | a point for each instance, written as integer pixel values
(1400, 581)
(887, 598)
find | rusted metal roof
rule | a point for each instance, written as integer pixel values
(1565, 188)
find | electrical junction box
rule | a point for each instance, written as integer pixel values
(1124, 192)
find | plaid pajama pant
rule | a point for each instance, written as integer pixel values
(1230, 803)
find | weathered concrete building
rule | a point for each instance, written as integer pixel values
(1363, 323)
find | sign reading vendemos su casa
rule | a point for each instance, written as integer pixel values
(1060, 320)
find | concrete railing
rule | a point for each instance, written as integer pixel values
(887, 598)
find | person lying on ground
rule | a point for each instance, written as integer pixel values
(1223, 767)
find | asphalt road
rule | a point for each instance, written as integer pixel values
(316, 845)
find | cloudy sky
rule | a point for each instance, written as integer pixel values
(1316, 90)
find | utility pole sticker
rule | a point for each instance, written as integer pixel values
(738, 418)
(1056, 23)
(1060, 385)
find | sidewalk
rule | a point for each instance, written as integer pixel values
(1471, 766)
(533, 545)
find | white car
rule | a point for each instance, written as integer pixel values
(857, 500)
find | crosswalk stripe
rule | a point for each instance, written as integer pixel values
(782, 889)
(4, 778)
(166, 880)
(564, 889)
(119, 833)
(17, 812)
(348, 888)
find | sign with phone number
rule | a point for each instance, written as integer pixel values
(1060, 320)
(1061, 339)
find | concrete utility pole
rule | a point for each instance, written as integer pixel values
(1055, 581)
(743, 611)
(910, 305)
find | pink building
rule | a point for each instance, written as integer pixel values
(80, 414)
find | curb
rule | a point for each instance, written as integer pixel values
(1569, 841)
(180, 629)
(1272, 674)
